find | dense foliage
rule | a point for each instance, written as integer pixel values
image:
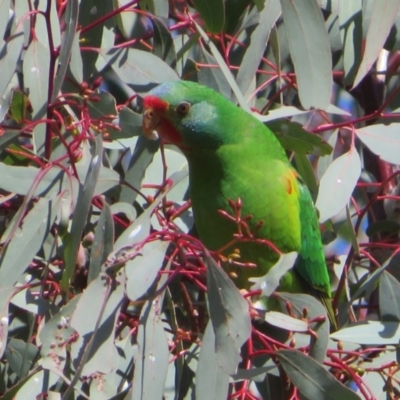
(105, 291)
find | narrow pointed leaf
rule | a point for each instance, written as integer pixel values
(36, 70)
(389, 297)
(285, 322)
(212, 12)
(212, 381)
(151, 363)
(86, 193)
(103, 242)
(29, 237)
(384, 13)
(229, 313)
(312, 379)
(259, 38)
(10, 53)
(310, 51)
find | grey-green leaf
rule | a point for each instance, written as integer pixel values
(142, 271)
(389, 297)
(36, 70)
(384, 13)
(311, 378)
(139, 68)
(211, 380)
(151, 364)
(310, 51)
(337, 184)
(382, 140)
(229, 313)
(10, 53)
(370, 333)
(103, 242)
(258, 44)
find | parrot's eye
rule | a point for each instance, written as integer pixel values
(183, 108)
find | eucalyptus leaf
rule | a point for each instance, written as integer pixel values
(211, 379)
(382, 140)
(337, 184)
(389, 297)
(229, 315)
(370, 333)
(310, 51)
(311, 378)
(384, 13)
(142, 271)
(151, 364)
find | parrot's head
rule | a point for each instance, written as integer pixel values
(186, 114)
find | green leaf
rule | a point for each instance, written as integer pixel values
(382, 140)
(234, 9)
(212, 12)
(151, 363)
(212, 382)
(293, 137)
(311, 378)
(384, 13)
(389, 298)
(370, 333)
(310, 51)
(229, 313)
(337, 184)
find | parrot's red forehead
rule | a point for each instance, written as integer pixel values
(155, 102)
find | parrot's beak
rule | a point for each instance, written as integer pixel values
(151, 120)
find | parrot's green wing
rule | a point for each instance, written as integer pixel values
(311, 264)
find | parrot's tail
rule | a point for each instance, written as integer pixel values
(326, 301)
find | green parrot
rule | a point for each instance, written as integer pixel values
(232, 155)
